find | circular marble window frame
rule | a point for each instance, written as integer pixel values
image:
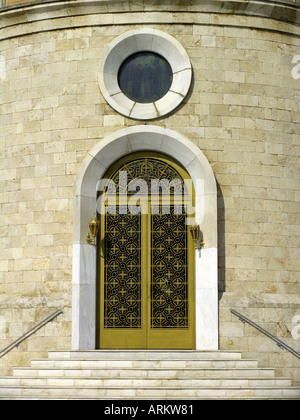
(150, 40)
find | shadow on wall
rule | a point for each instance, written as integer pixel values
(221, 243)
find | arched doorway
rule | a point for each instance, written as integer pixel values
(92, 170)
(146, 258)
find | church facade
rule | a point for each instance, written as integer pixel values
(150, 176)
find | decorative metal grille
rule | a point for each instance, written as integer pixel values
(169, 284)
(169, 262)
(122, 283)
(165, 178)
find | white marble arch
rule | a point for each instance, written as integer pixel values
(94, 166)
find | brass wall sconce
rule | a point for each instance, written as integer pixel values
(94, 227)
(195, 232)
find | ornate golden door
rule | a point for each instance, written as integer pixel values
(146, 258)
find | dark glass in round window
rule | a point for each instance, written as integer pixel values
(145, 77)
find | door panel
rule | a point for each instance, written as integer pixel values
(122, 286)
(171, 286)
(169, 280)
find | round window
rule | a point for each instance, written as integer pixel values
(144, 74)
(145, 77)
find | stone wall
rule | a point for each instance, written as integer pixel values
(243, 113)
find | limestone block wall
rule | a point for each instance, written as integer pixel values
(242, 112)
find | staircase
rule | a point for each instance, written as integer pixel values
(162, 375)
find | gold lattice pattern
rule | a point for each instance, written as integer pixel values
(147, 169)
(169, 286)
(122, 286)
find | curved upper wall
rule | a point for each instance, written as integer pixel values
(53, 15)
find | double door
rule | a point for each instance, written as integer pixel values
(146, 289)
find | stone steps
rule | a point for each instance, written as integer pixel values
(144, 355)
(162, 373)
(145, 375)
(142, 364)
(145, 382)
(149, 393)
